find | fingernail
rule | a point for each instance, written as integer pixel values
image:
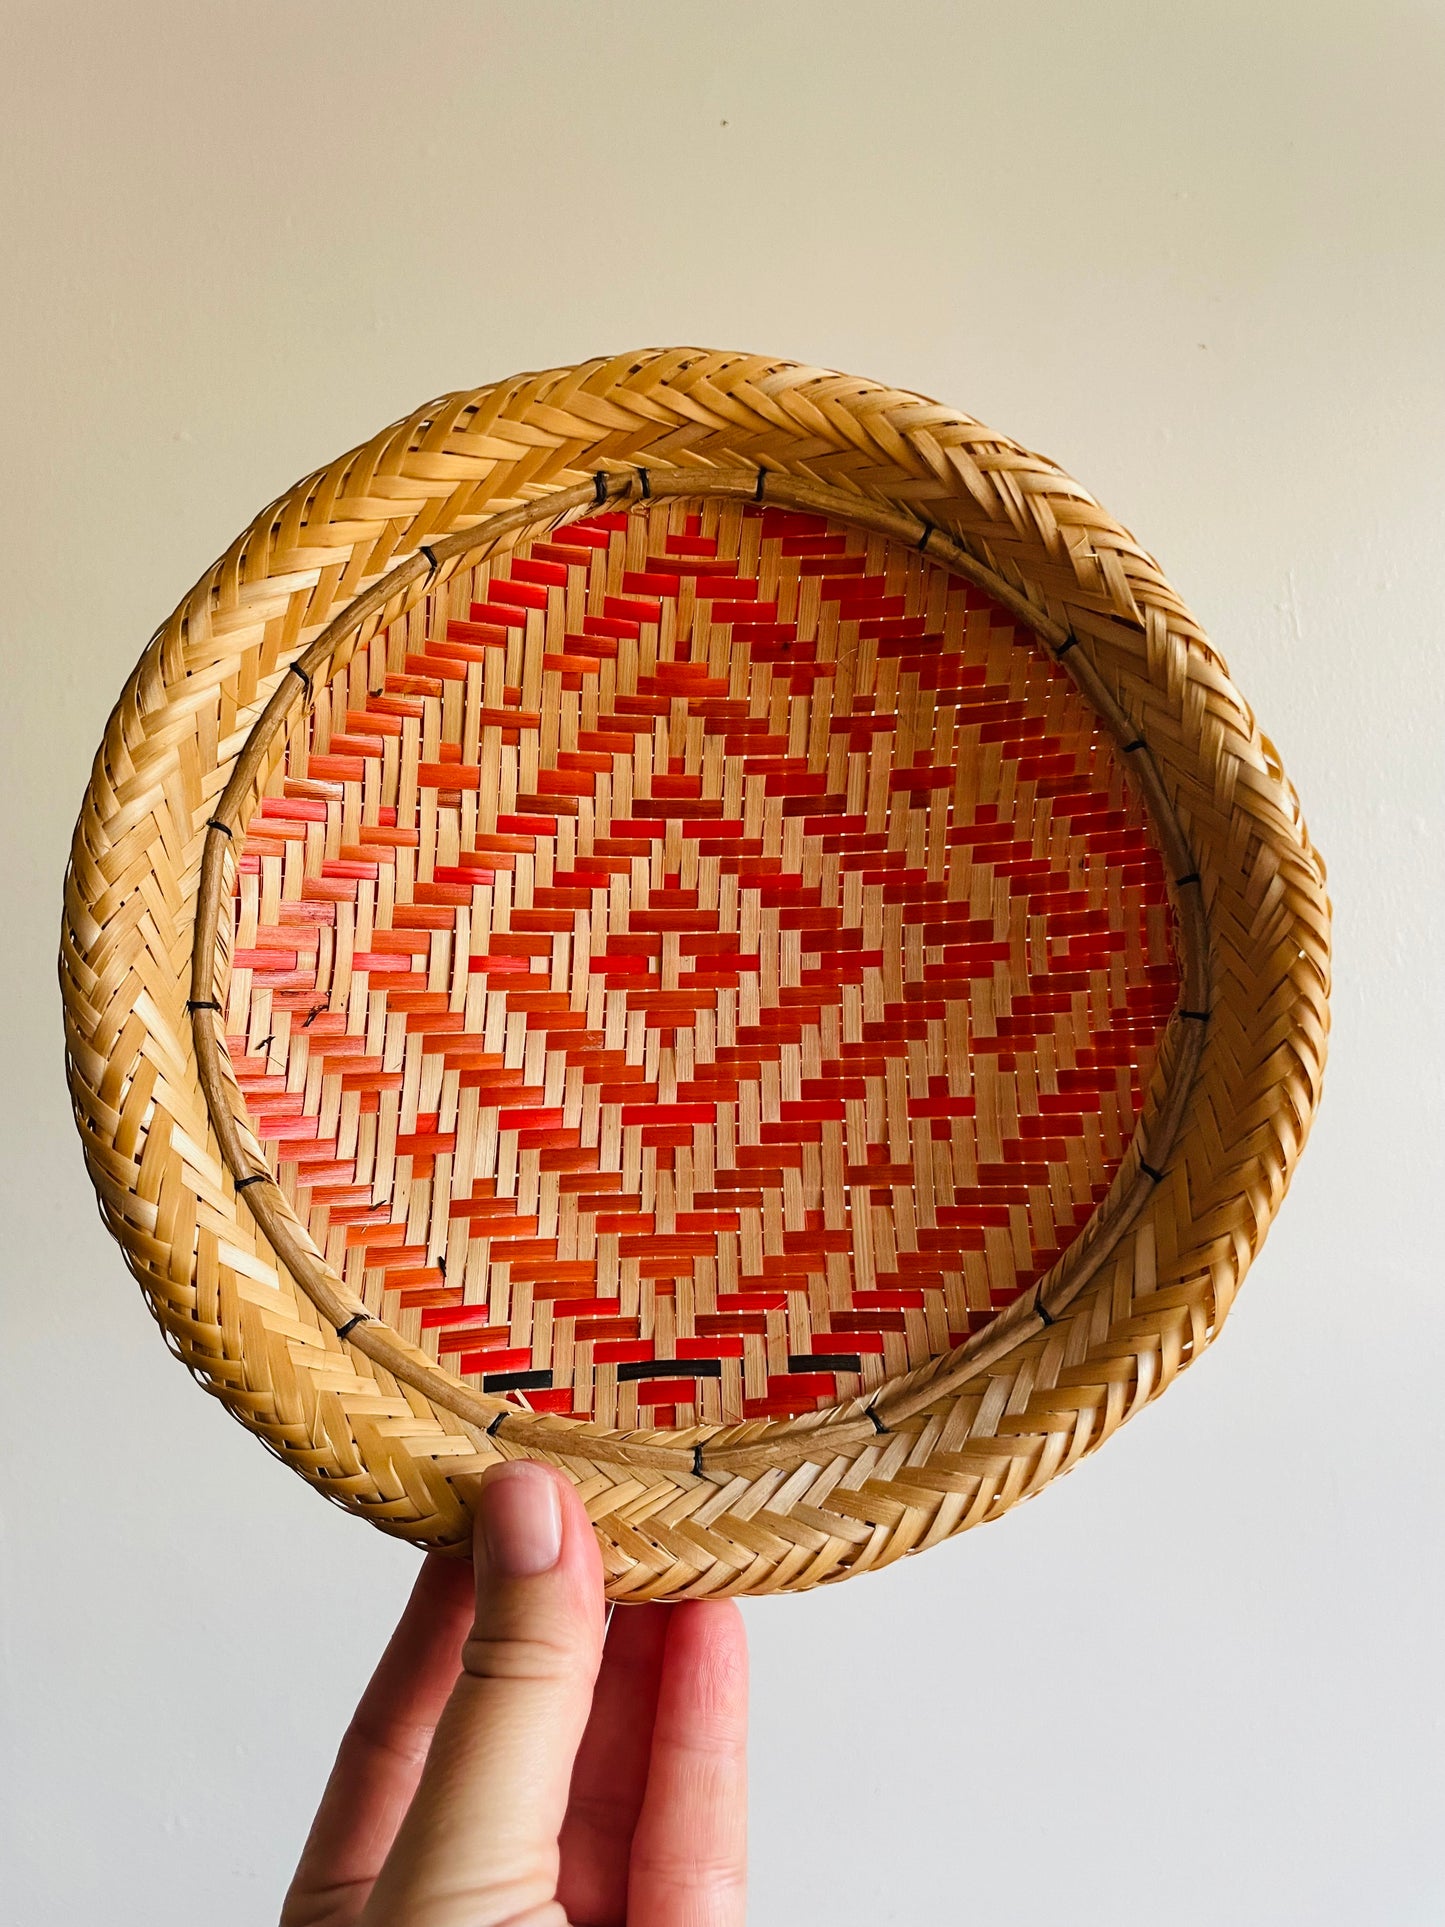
(521, 1518)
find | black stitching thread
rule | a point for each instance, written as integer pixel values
(599, 487)
(925, 538)
(646, 482)
(1150, 1172)
(430, 554)
(697, 1460)
(1196, 1016)
(312, 1015)
(256, 1177)
(1193, 877)
(1138, 743)
(357, 1318)
(878, 1425)
(1043, 1311)
(496, 1423)
(1069, 642)
(215, 823)
(761, 484)
(295, 669)
(202, 1003)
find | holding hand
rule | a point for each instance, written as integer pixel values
(507, 1768)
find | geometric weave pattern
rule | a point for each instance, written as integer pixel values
(486, 846)
(697, 967)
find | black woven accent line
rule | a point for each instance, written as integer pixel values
(646, 481)
(1138, 743)
(669, 1368)
(761, 484)
(1196, 1016)
(925, 538)
(1193, 877)
(824, 1362)
(357, 1318)
(215, 823)
(1150, 1172)
(1043, 1311)
(497, 1423)
(295, 669)
(1069, 642)
(697, 1460)
(599, 487)
(517, 1382)
(878, 1425)
(202, 1003)
(256, 1177)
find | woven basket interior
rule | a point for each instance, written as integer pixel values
(697, 966)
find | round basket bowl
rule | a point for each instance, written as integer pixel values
(706, 920)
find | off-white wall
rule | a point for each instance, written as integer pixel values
(1195, 253)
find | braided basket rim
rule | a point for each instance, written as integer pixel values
(243, 1295)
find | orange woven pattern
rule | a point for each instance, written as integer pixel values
(697, 967)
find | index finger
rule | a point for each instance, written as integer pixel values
(689, 1853)
(380, 1758)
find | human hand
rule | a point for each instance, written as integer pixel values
(513, 1770)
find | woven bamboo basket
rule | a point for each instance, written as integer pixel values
(703, 919)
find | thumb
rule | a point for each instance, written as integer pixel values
(479, 1844)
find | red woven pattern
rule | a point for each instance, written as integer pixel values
(697, 967)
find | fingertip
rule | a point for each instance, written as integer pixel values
(528, 1519)
(442, 1598)
(717, 1619)
(713, 1623)
(443, 1578)
(707, 1666)
(579, 1541)
(640, 1627)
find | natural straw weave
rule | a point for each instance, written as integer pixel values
(703, 918)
